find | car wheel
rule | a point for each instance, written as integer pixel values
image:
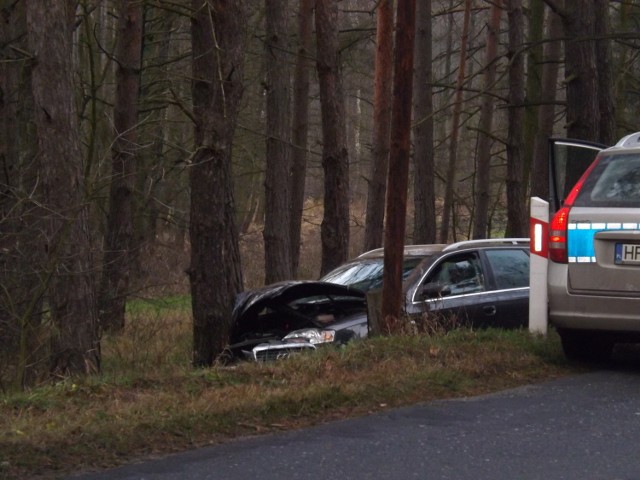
(581, 346)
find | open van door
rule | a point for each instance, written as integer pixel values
(568, 160)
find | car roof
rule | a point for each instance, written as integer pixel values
(628, 144)
(430, 249)
(409, 251)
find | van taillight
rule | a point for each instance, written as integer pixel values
(558, 236)
(558, 227)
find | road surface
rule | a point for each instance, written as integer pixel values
(582, 427)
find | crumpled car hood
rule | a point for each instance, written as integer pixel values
(270, 313)
(250, 302)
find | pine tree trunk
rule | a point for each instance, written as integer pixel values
(334, 231)
(75, 347)
(424, 230)
(277, 242)
(218, 34)
(517, 215)
(547, 110)
(118, 239)
(455, 128)
(300, 127)
(483, 153)
(383, 78)
(398, 165)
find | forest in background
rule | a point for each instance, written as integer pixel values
(107, 107)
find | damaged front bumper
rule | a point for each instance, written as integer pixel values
(265, 352)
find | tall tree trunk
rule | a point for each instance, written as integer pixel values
(75, 347)
(300, 127)
(547, 110)
(455, 127)
(277, 242)
(590, 109)
(334, 231)
(606, 90)
(625, 117)
(398, 164)
(534, 67)
(22, 259)
(118, 239)
(483, 167)
(581, 71)
(517, 217)
(383, 77)
(424, 230)
(218, 44)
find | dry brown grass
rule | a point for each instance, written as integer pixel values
(149, 400)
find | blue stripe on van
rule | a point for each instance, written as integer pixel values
(580, 248)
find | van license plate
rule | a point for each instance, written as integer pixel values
(627, 253)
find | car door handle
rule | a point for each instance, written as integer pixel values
(489, 310)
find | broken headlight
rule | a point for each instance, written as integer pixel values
(311, 335)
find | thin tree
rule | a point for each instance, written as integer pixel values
(455, 127)
(606, 90)
(277, 241)
(398, 164)
(534, 68)
(383, 79)
(300, 126)
(517, 217)
(334, 231)
(581, 69)
(485, 125)
(75, 346)
(218, 44)
(118, 238)
(547, 110)
(424, 229)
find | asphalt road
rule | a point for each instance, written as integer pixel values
(585, 427)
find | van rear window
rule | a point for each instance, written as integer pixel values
(615, 182)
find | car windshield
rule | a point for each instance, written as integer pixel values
(366, 274)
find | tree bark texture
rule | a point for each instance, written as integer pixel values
(334, 231)
(547, 110)
(382, 81)
(424, 229)
(75, 347)
(455, 127)
(517, 215)
(218, 34)
(277, 241)
(581, 71)
(533, 94)
(118, 239)
(399, 154)
(606, 89)
(300, 126)
(22, 260)
(483, 152)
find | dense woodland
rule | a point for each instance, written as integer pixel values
(156, 147)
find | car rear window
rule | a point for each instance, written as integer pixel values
(614, 182)
(510, 268)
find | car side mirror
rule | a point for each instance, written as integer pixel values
(435, 290)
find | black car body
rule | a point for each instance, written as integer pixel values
(479, 283)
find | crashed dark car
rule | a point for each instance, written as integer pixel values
(288, 317)
(477, 283)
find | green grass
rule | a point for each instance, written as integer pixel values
(149, 400)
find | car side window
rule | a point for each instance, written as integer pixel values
(458, 274)
(510, 267)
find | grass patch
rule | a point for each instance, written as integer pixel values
(149, 400)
